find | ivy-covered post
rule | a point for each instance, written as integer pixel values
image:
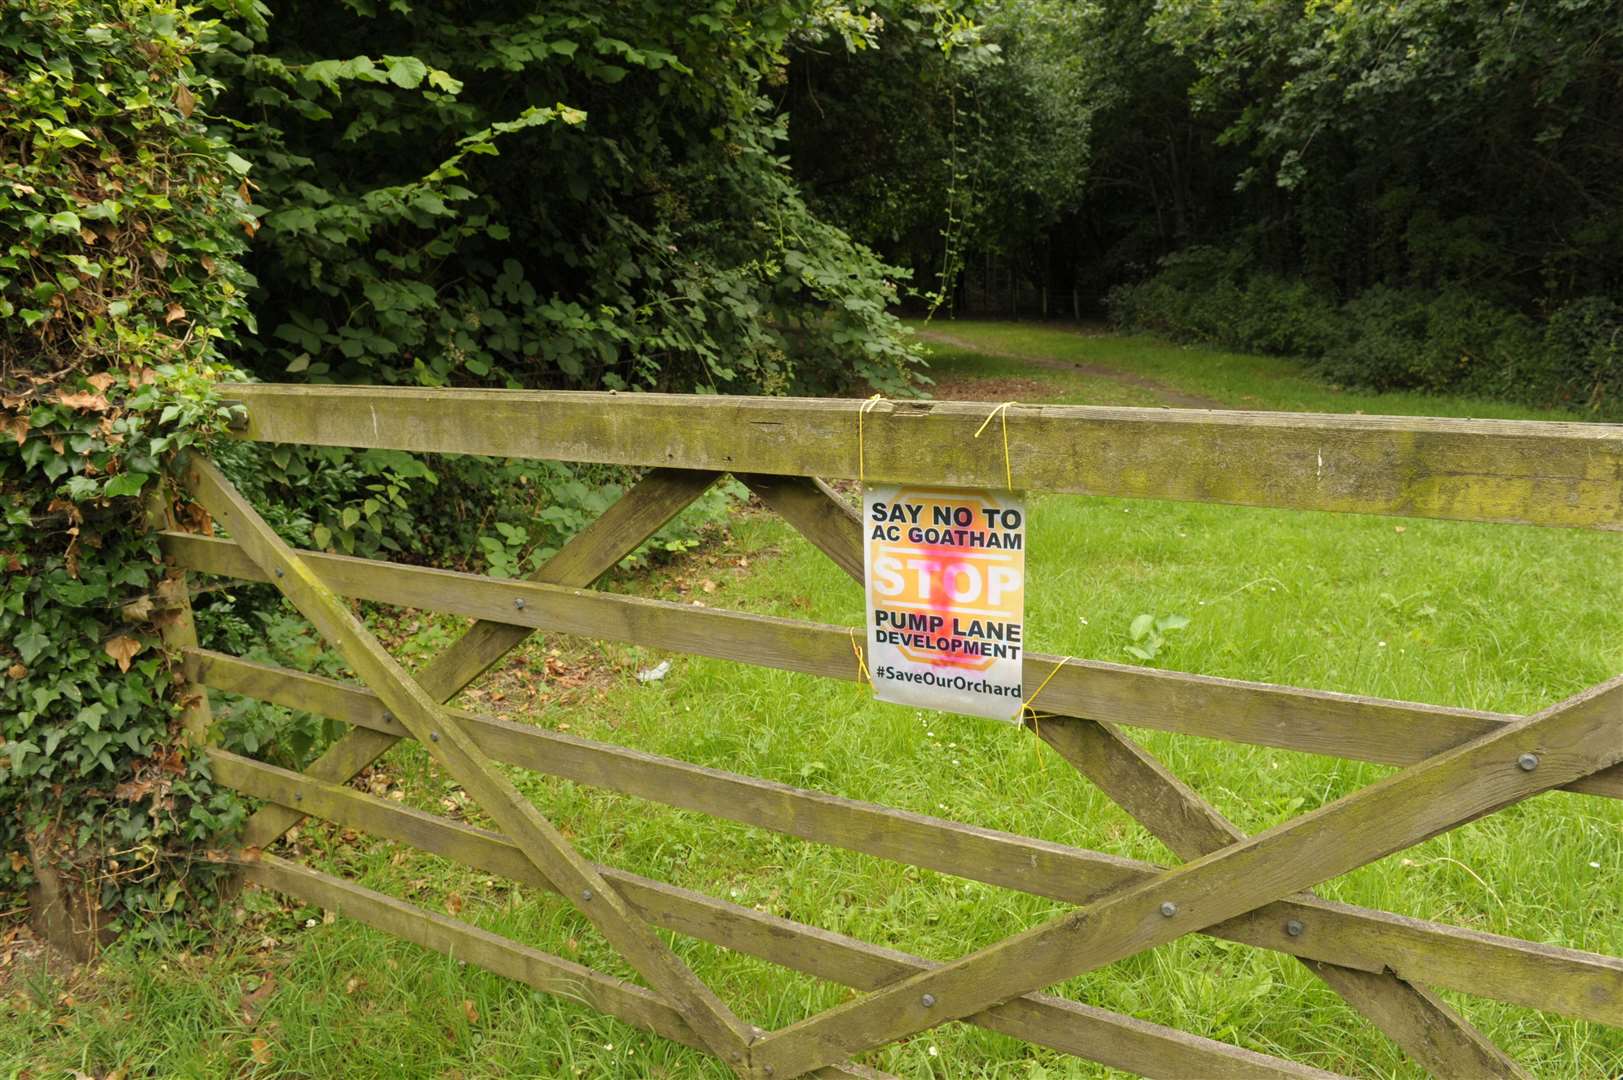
(177, 629)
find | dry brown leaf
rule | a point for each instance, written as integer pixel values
(469, 1011)
(17, 671)
(137, 610)
(18, 860)
(185, 100)
(93, 402)
(353, 984)
(101, 380)
(122, 648)
(261, 1051)
(17, 426)
(174, 313)
(87, 234)
(453, 903)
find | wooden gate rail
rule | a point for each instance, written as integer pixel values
(1339, 725)
(1461, 764)
(1551, 978)
(1111, 1038)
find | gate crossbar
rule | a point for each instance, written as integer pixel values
(1579, 984)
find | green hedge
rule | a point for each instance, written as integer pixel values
(120, 282)
(1387, 339)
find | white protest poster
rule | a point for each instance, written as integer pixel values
(946, 584)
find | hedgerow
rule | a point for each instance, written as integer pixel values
(123, 220)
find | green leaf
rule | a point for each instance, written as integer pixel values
(350, 517)
(442, 80)
(1172, 622)
(406, 72)
(31, 642)
(65, 222)
(238, 164)
(125, 483)
(1141, 626)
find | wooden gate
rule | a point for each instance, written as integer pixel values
(1457, 765)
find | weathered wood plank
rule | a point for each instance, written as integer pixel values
(588, 555)
(550, 974)
(1341, 725)
(1585, 985)
(449, 744)
(1416, 1019)
(1425, 1026)
(1118, 1041)
(1564, 742)
(1544, 473)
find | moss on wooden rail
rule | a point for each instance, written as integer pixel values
(1534, 472)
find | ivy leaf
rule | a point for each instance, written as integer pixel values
(239, 164)
(122, 649)
(85, 400)
(127, 483)
(66, 221)
(31, 642)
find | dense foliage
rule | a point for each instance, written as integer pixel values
(1424, 194)
(582, 195)
(119, 285)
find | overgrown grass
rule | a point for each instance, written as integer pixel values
(1236, 380)
(1494, 617)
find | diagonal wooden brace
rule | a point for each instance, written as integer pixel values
(1542, 751)
(1415, 1018)
(591, 553)
(449, 744)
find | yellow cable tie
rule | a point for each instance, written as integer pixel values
(862, 665)
(862, 450)
(1002, 413)
(1028, 708)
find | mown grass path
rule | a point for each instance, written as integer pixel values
(1494, 617)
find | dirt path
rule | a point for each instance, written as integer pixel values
(1168, 395)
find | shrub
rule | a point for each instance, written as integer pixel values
(119, 282)
(1583, 354)
(1208, 294)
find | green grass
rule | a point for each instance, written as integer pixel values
(1237, 380)
(1493, 617)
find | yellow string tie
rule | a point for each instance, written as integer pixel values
(1002, 413)
(862, 449)
(1029, 709)
(862, 665)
